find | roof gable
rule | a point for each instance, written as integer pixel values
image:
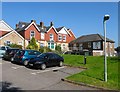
(53, 28)
(10, 33)
(63, 30)
(4, 26)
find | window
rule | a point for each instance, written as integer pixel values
(80, 47)
(42, 35)
(41, 44)
(51, 45)
(89, 44)
(7, 42)
(19, 43)
(96, 45)
(51, 37)
(64, 38)
(64, 46)
(32, 34)
(59, 37)
(110, 44)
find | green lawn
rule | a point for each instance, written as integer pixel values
(94, 74)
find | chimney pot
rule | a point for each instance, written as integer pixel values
(33, 21)
(51, 24)
(17, 25)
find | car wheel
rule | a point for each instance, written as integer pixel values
(43, 66)
(26, 62)
(12, 59)
(60, 63)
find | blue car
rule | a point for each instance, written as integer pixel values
(22, 56)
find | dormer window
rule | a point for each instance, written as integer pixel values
(32, 34)
(23, 25)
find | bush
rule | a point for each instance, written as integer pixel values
(15, 46)
(32, 45)
(58, 48)
(45, 49)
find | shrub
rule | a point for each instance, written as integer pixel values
(15, 46)
(45, 49)
(32, 45)
(58, 48)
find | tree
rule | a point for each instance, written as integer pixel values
(32, 45)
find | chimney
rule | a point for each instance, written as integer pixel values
(51, 23)
(41, 24)
(33, 21)
(17, 25)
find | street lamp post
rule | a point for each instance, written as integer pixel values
(106, 17)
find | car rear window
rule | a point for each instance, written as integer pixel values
(20, 52)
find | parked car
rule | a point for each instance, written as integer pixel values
(46, 59)
(9, 54)
(3, 50)
(22, 56)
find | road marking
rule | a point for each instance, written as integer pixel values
(43, 71)
(0, 63)
(16, 67)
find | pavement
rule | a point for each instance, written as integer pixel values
(18, 77)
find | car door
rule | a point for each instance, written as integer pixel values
(51, 60)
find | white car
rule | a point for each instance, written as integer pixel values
(3, 50)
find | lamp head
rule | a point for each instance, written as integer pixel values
(106, 17)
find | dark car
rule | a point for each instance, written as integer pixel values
(9, 54)
(46, 59)
(22, 56)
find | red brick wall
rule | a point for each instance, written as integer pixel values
(33, 28)
(51, 31)
(3, 33)
(72, 37)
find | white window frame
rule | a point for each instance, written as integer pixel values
(59, 37)
(64, 39)
(51, 37)
(42, 35)
(30, 34)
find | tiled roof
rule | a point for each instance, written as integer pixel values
(90, 38)
(58, 29)
(44, 29)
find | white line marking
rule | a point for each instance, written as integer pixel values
(16, 67)
(0, 63)
(43, 71)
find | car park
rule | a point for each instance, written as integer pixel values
(9, 54)
(3, 50)
(22, 56)
(46, 60)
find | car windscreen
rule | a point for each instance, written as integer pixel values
(41, 55)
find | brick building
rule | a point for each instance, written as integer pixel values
(94, 43)
(45, 35)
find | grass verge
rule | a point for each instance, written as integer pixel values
(94, 75)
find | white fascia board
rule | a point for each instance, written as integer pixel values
(66, 31)
(53, 28)
(35, 26)
(2, 21)
(12, 32)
